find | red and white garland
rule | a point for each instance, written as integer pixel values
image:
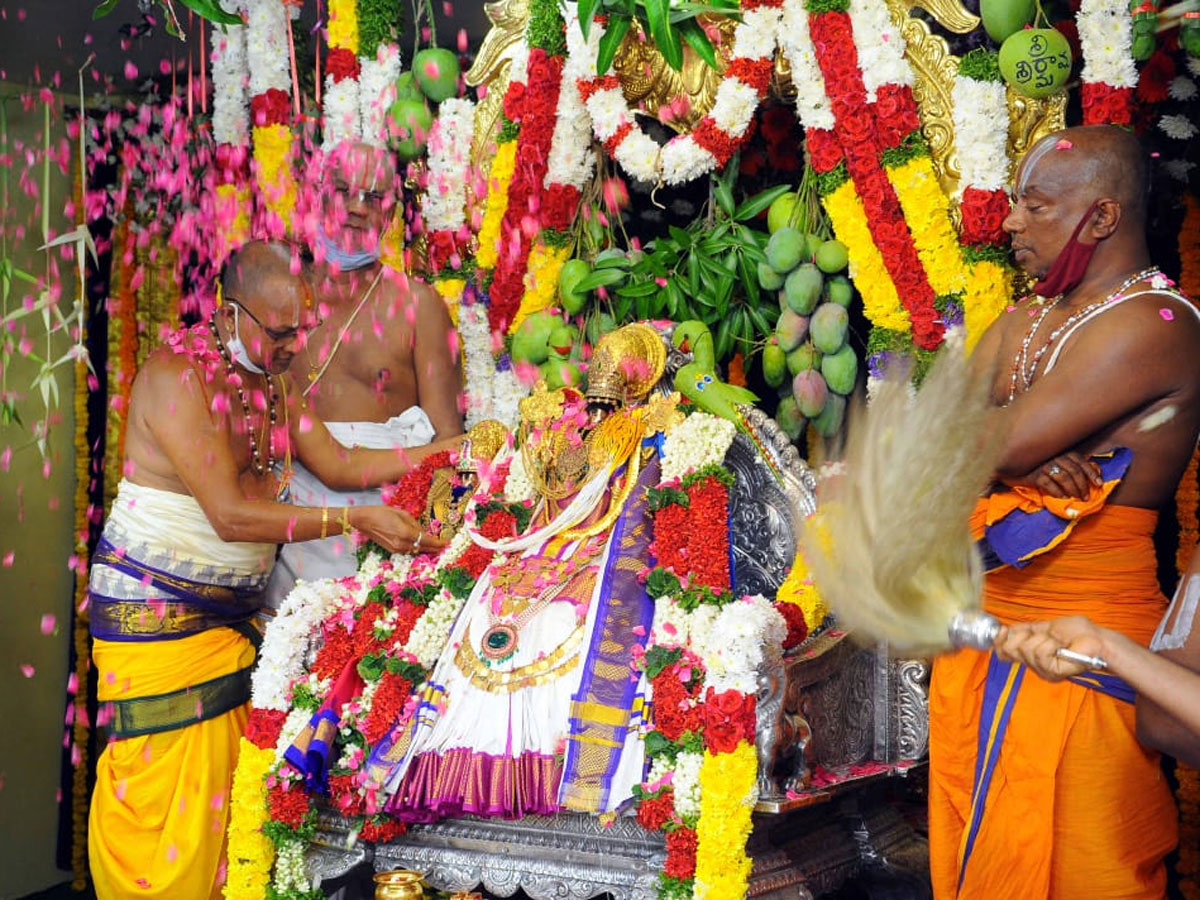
(717, 136)
(444, 208)
(1109, 76)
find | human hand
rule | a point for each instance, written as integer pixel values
(393, 529)
(1070, 474)
(1036, 644)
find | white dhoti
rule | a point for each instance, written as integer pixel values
(333, 557)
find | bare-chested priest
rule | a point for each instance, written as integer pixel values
(1039, 789)
(181, 566)
(380, 365)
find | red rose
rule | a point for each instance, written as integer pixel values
(1106, 105)
(559, 206)
(343, 790)
(896, 113)
(342, 64)
(824, 149)
(514, 101)
(264, 726)
(681, 853)
(728, 719)
(670, 538)
(674, 712)
(389, 701)
(655, 812)
(983, 215)
(539, 70)
(272, 107)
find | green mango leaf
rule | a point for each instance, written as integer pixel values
(675, 300)
(104, 9)
(749, 279)
(599, 278)
(723, 340)
(696, 39)
(665, 38)
(212, 11)
(679, 237)
(609, 44)
(693, 274)
(638, 289)
(762, 324)
(587, 12)
(643, 306)
(724, 197)
(752, 206)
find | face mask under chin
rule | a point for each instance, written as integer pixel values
(1069, 267)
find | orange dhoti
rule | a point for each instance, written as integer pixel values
(1075, 806)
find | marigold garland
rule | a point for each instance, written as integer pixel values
(499, 178)
(728, 791)
(798, 590)
(451, 291)
(988, 292)
(881, 303)
(927, 212)
(250, 852)
(342, 25)
(277, 183)
(541, 281)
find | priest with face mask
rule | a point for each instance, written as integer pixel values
(379, 363)
(1040, 789)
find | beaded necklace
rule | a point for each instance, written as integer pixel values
(256, 461)
(1024, 367)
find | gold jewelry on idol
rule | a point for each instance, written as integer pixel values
(324, 522)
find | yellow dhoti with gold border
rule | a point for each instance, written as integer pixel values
(170, 603)
(1076, 807)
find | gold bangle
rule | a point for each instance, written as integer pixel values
(346, 529)
(324, 522)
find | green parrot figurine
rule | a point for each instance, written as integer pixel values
(698, 380)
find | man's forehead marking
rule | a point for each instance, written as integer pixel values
(1030, 162)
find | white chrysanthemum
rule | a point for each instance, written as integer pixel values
(755, 36)
(683, 160)
(687, 783)
(734, 107)
(1182, 88)
(1178, 127)
(230, 109)
(672, 624)
(880, 46)
(444, 207)
(1179, 169)
(1193, 66)
(639, 156)
(700, 440)
(287, 639)
(812, 103)
(981, 133)
(377, 92)
(736, 646)
(266, 46)
(1105, 38)
(432, 630)
(571, 160)
(608, 111)
(339, 112)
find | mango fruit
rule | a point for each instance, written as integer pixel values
(839, 290)
(790, 330)
(1036, 62)
(828, 327)
(436, 71)
(803, 358)
(790, 419)
(840, 370)
(1002, 18)
(829, 422)
(781, 212)
(531, 343)
(774, 362)
(785, 249)
(768, 278)
(811, 392)
(802, 289)
(831, 257)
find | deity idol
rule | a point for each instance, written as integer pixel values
(532, 707)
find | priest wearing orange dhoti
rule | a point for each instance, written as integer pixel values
(179, 570)
(1041, 790)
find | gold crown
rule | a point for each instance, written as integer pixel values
(628, 362)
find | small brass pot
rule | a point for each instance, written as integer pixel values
(399, 885)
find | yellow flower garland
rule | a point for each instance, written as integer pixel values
(881, 303)
(989, 291)
(343, 25)
(727, 795)
(273, 150)
(927, 212)
(451, 290)
(250, 852)
(233, 213)
(503, 165)
(541, 281)
(798, 589)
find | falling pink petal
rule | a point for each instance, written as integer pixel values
(48, 621)
(131, 71)
(1167, 315)
(8, 559)
(27, 670)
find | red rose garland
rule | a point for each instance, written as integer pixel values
(681, 853)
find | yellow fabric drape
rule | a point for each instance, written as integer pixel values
(1076, 808)
(161, 803)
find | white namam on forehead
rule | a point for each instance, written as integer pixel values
(1030, 162)
(1176, 625)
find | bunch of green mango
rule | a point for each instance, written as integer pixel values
(434, 76)
(810, 340)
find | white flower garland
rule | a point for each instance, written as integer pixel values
(444, 207)
(701, 439)
(377, 92)
(571, 160)
(682, 159)
(1106, 42)
(287, 639)
(686, 783)
(231, 105)
(340, 116)
(812, 104)
(289, 867)
(980, 114)
(491, 393)
(519, 486)
(882, 60)
(266, 46)
(733, 646)
(296, 721)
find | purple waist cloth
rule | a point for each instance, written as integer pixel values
(462, 782)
